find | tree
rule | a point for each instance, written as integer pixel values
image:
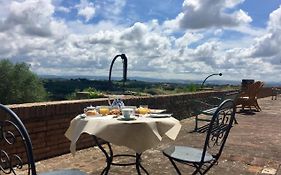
(19, 85)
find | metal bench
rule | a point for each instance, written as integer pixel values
(208, 109)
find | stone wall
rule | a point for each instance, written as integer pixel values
(47, 122)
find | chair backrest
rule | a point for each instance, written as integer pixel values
(219, 128)
(260, 85)
(253, 89)
(15, 145)
(234, 95)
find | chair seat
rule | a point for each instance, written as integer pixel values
(210, 111)
(186, 154)
(64, 172)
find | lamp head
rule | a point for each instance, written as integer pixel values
(220, 74)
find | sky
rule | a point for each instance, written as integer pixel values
(167, 39)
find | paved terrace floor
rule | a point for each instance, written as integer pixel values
(254, 147)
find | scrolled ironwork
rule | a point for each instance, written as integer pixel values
(9, 163)
(5, 162)
(219, 128)
(9, 137)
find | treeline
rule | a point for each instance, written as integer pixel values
(60, 89)
(19, 85)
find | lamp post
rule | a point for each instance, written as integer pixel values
(220, 74)
(125, 65)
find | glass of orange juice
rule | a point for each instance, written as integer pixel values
(103, 110)
(143, 109)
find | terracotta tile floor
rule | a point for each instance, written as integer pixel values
(254, 147)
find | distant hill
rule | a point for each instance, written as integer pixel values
(180, 81)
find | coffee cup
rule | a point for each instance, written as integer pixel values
(127, 112)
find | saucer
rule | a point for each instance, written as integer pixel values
(126, 119)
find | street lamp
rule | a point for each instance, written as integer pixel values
(220, 74)
(125, 65)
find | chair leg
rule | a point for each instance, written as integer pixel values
(257, 108)
(257, 105)
(175, 166)
(243, 107)
(209, 167)
(197, 170)
(235, 121)
(196, 123)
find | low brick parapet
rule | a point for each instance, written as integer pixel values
(47, 122)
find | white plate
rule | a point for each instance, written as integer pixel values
(157, 111)
(160, 115)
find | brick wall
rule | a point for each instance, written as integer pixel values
(47, 122)
(265, 92)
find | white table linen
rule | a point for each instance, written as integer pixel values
(139, 135)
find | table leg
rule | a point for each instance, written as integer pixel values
(138, 164)
(109, 159)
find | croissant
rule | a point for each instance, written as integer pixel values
(91, 112)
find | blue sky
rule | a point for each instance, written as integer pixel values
(169, 39)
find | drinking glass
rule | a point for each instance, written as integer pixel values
(143, 109)
(104, 111)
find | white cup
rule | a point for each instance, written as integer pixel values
(130, 107)
(127, 112)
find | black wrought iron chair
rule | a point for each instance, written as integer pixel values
(13, 138)
(204, 159)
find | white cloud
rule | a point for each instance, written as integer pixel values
(81, 28)
(51, 45)
(63, 9)
(233, 3)
(87, 12)
(205, 52)
(199, 14)
(187, 39)
(113, 7)
(267, 46)
(86, 9)
(117, 6)
(275, 19)
(31, 17)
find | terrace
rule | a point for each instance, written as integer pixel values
(254, 145)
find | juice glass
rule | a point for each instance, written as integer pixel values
(104, 111)
(143, 109)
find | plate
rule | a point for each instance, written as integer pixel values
(160, 115)
(157, 111)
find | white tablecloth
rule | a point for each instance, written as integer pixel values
(139, 135)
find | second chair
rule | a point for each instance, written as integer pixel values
(203, 159)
